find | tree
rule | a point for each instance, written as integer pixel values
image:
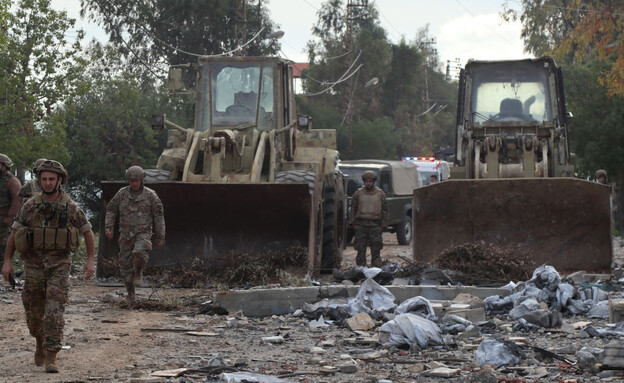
(38, 73)
(150, 32)
(108, 123)
(545, 23)
(411, 93)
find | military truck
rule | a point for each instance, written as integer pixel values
(249, 176)
(397, 179)
(512, 183)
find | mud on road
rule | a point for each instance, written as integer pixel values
(106, 342)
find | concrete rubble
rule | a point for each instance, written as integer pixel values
(542, 329)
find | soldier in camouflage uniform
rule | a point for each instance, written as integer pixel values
(46, 230)
(9, 202)
(140, 212)
(31, 187)
(369, 209)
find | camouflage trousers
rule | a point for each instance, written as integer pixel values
(45, 295)
(5, 231)
(133, 252)
(368, 236)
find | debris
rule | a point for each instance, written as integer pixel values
(273, 339)
(240, 377)
(320, 322)
(417, 305)
(409, 329)
(169, 373)
(498, 352)
(587, 357)
(361, 321)
(614, 354)
(373, 299)
(443, 372)
(616, 310)
(483, 262)
(202, 333)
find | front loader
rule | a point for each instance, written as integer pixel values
(249, 177)
(513, 181)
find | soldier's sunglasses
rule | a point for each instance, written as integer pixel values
(52, 163)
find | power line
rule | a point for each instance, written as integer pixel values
(388, 21)
(485, 25)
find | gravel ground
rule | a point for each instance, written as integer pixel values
(107, 342)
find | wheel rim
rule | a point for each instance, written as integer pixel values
(408, 231)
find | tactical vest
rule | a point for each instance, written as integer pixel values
(5, 196)
(369, 205)
(48, 229)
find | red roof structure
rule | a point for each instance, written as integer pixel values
(298, 68)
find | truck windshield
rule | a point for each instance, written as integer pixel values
(237, 93)
(355, 174)
(510, 92)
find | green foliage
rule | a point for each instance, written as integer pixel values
(393, 118)
(545, 24)
(38, 72)
(598, 124)
(108, 124)
(148, 32)
(370, 140)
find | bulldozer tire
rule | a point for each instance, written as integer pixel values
(404, 231)
(294, 176)
(331, 258)
(156, 175)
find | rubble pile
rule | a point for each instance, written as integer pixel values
(512, 341)
(485, 263)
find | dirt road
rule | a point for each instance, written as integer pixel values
(105, 342)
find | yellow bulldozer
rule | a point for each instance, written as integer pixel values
(513, 181)
(250, 176)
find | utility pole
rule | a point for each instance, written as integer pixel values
(349, 96)
(240, 28)
(428, 48)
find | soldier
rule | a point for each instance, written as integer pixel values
(46, 231)
(370, 211)
(31, 187)
(9, 202)
(140, 212)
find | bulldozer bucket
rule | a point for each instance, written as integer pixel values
(562, 222)
(208, 221)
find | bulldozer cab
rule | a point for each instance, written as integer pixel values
(512, 120)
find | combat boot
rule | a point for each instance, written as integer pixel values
(40, 353)
(50, 362)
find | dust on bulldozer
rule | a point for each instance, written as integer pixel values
(250, 180)
(512, 184)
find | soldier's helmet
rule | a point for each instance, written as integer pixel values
(135, 173)
(600, 173)
(37, 163)
(4, 159)
(369, 175)
(52, 166)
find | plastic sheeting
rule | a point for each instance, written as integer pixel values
(546, 285)
(419, 306)
(498, 352)
(410, 329)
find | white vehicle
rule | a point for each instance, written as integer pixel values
(429, 166)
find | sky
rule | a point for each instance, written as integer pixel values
(462, 29)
